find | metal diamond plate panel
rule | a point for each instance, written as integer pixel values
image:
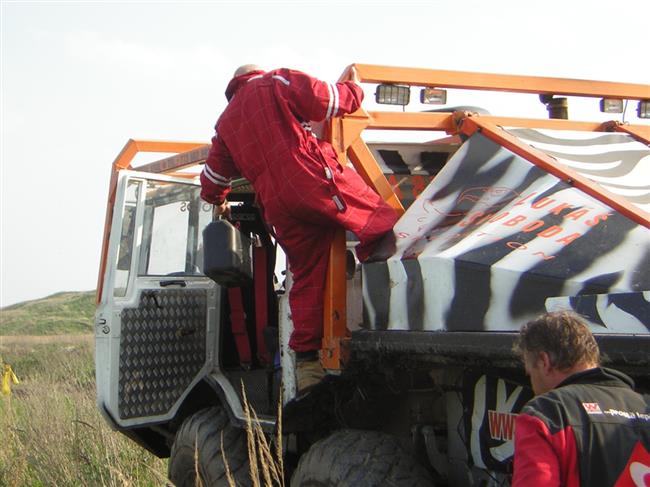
(162, 349)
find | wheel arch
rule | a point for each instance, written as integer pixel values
(158, 438)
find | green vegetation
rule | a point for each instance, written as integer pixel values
(61, 313)
(52, 432)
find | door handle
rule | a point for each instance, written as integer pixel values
(173, 283)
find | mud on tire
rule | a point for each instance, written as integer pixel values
(353, 458)
(197, 449)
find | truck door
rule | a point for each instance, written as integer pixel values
(155, 324)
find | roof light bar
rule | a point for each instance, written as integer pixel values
(393, 95)
(611, 105)
(643, 109)
(433, 96)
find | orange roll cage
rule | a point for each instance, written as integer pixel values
(345, 135)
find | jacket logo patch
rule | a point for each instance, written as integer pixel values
(592, 407)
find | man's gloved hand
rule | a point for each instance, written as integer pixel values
(354, 76)
(222, 210)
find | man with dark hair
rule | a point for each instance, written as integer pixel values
(586, 426)
(264, 135)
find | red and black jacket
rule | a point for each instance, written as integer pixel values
(592, 430)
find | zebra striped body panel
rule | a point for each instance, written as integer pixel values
(494, 240)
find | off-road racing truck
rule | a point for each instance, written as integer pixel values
(503, 219)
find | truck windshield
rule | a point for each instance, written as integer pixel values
(174, 218)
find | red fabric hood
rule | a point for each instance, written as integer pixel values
(237, 82)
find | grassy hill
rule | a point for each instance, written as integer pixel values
(61, 313)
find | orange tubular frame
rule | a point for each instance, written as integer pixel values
(639, 132)
(371, 73)
(123, 161)
(345, 136)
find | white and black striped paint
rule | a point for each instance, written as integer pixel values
(494, 241)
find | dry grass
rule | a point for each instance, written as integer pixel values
(24, 343)
(266, 467)
(52, 433)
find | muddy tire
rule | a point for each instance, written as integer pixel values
(197, 450)
(353, 458)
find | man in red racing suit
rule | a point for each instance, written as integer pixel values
(305, 195)
(589, 429)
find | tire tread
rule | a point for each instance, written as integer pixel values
(354, 458)
(206, 426)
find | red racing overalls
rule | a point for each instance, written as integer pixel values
(264, 135)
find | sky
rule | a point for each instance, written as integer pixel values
(79, 79)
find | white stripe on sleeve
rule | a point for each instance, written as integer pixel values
(336, 100)
(329, 102)
(219, 182)
(282, 79)
(215, 174)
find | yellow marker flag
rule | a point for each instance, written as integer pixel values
(8, 377)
